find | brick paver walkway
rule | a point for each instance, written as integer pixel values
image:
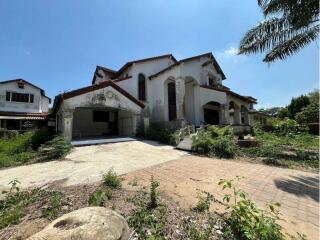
(297, 191)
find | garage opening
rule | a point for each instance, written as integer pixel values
(101, 123)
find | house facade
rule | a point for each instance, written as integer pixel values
(22, 105)
(189, 91)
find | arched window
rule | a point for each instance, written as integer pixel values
(141, 87)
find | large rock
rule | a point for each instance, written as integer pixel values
(91, 223)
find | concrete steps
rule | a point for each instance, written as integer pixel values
(185, 144)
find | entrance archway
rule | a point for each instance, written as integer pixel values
(212, 113)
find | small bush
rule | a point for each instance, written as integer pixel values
(247, 221)
(8, 134)
(160, 131)
(57, 148)
(215, 141)
(204, 202)
(98, 198)
(40, 136)
(153, 193)
(111, 179)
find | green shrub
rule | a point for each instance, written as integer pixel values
(40, 136)
(111, 179)
(204, 202)
(153, 193)
(247, 221)
(223, 148)
(98, 198)
(160, 131)
(215, 141)
(57, 148)
(8, 134)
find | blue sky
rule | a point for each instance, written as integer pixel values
(57, 44)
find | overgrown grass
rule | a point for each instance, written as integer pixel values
(15, 204)
(298, 150)
(280, 148)
(24, 148)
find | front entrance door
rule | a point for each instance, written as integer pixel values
(211, 116)
(172, 108)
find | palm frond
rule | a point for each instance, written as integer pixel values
(277, 6)
(262, 36)
(293, 45)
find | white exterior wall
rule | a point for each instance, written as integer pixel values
(195, 96)
(40, 104)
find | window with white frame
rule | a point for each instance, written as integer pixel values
(19, 97)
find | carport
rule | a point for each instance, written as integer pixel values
(99, 111)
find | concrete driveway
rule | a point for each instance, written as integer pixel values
(86, 164)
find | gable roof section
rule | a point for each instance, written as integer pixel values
(228, 91)
(210, 55)
(128, 64)
(64, 96)
(116, 74)
(26, 82)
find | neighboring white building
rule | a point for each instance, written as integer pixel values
(189, 91)
(22, 105)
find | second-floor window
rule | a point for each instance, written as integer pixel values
(19, 97)
(141, 87)
(211, 81)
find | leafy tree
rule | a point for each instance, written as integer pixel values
(289, 25)
(297, 104)
(283, 113)
(271, 111)
(309, 114)
(314, 96)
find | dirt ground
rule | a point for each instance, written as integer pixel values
(180, 175)
(86, 164)
(296, 191)
(125, 201)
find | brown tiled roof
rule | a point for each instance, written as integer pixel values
(228, 91)
(26, 82)
(30, 115)
(58, 99)
(115, 74)
(210, 55)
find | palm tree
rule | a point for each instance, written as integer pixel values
(289, 25)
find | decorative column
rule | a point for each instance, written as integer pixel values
(180, 98)
(237, 116)
(67, 120)
(225, 115)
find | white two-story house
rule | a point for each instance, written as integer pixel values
(118, 102)
(22, 105)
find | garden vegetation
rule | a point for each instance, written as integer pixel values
(32, 146)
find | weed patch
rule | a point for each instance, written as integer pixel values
(15, 204)
(111, 179)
